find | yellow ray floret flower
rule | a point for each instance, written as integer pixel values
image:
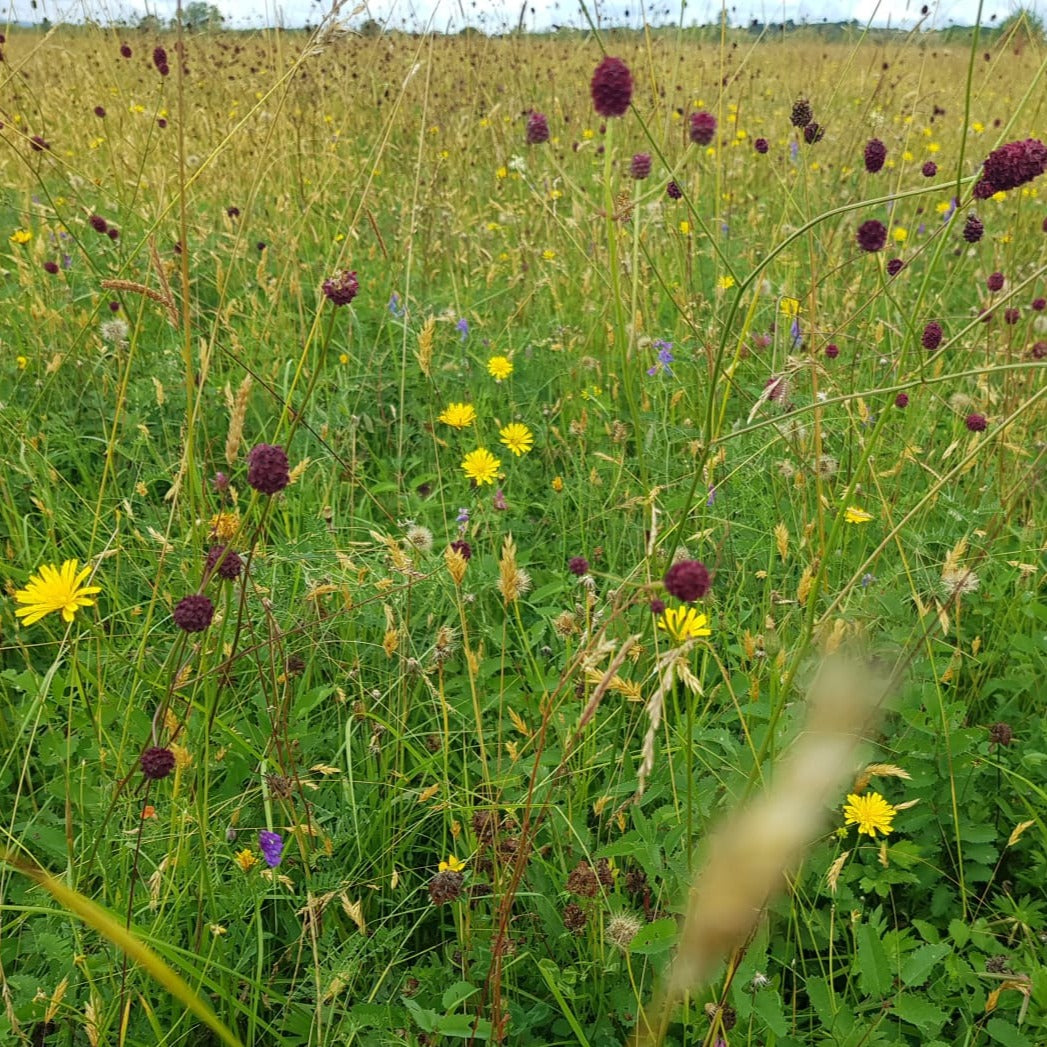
(246, 859)
(517, 437)
(461, 416)
(853, 515)
(20, 236)
(871, 813)
(56, 589)
(499, 367)
(452, 864)
(481, 466)
(684, 623)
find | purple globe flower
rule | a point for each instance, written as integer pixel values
(578, 565)
(832, 351)
(895, 266)
(687, 580)
(1014, 164)
(272, 847)
(640, 166)
(901, 400)
(932, 336)
(976, 423)
(973, 229)
(673, 191)
(801, 114)
(226, 560)
(761, 145)
(995, 282)
(813, 132)
(157, 762)
(929, 169)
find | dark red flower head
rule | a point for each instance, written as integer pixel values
(973, 229)
(813, 133)
(687, 580)
(226, 560)
(761, 145)
(1015, 163)
(193, 614)
(929, 169)
(872, 235)
(611, 87)
(268, 470)
(640, 166)
(537, 128)
(875, 154)
(895, 266)
(932, 335)
(160, 60)
(343, 288)
(995, 282)
(156, 762)
(578, 565)
(976, 423)
(673, 191)
(832, 351)
(901, 400)
(462, 548)
(802, 113)
(703, 127)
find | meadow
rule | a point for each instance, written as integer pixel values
(441, 481)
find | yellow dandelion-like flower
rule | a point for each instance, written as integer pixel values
(557, 484)
(452, 864)
(789, 307)
(517, 437)
(684, 623)
(499, 367)
(56, 589)
(246, 859)
(853, 515)
(899, 234)
(481, 466)
(685, 227)
(871, 813)
(460, 416)
(21, 236)
(726, 282)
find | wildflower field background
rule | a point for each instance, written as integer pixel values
(434, 475)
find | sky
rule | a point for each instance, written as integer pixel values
(493, 15)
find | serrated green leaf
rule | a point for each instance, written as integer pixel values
(454, 994)
(464, 1026)
(872, 966)
(918, 964)
(959, 932)
(654, 938)
(1003, 1032)
(920, 1012)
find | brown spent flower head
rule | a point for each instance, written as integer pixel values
(575, 918)
(687, 580)
(871, 236)
(611, 87)
(446, 887)
(703, 127)
(583, 882)
(193, 613)
(157, 762)
(537, 128)
(268, 470)
(343, 288)
(1001, 734)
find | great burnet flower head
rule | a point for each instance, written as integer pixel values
(976, 423)
(802, 113)
(761, 145)
(973, 229)
(55, 589)
(343, 288)
(640, 166)
(268, 470)
(673, 191)
(932, 335)
(537, 128)
(226, 560)
(1012, 165)
(871, 813)
(813, 132)
(157, 762)
(875, 154)
(995, 282)
(703, 127)
(193, 613)
(929, 169)
(611, 87)
(871, 236)
(687, 580)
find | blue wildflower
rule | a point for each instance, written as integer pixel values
(395, 306)
(272, 847)
(463, 328)
(794, 330)
(665, 357)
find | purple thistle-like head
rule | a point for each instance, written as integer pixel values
(995, 282)
(901, 400)
(703, 127)
(611, 87)
(673, 191)
(895, 266)
(761, 145)
(802, 113)
(157, 762)
(973, 229)
(687, 580)
(932, 336)
(813, 132)
(929, 169)
(640, 166)
(578, 565)
(976, 423)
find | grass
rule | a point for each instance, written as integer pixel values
(495, 776)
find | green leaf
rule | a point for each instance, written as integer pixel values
(872, 966)
(464, 1026)
(654, 938)
(920, 1012)
(454, 994)
(958, 932)
(1005, 1033)
(918, 965)
(768, 1005)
